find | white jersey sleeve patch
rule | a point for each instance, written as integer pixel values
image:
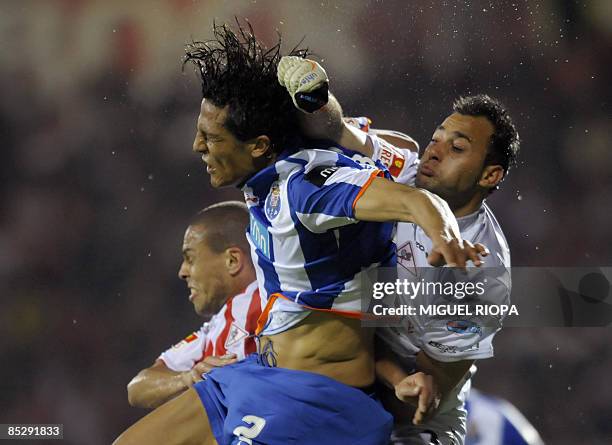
(401, 163)
(183, 355)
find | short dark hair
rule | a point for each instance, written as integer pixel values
(225, 225)
(505, 141)
(239, 71)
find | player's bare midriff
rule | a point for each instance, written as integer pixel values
(327, 344)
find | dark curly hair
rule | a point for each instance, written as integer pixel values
(239, 71)
(505, 141)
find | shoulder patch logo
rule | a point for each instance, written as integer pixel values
(319, 175)
(191, 337)
(393, 160)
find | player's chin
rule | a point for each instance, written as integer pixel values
(217, 181)
(200, 309)
(422, 181)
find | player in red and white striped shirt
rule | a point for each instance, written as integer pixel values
(218, 270)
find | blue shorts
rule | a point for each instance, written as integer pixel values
(248, 404)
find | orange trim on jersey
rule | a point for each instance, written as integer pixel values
(263, 318)
(374, 174)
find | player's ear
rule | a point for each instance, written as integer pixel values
(260, 147)
(234, 260)
(491, 176)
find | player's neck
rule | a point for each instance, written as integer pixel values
(469, 207)
(242, 281)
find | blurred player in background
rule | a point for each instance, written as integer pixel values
(494, 421)
(318, 221)
(468, 156)
(218, 271)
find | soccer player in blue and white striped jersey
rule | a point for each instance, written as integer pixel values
(318, 221)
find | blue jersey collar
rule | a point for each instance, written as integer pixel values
(259, 184)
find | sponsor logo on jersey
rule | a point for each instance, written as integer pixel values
(319, 175)
(393, 160)
(235, 335)
(273, 201)
(260, 236)
(405, 257)
(463, 327)
(449, 349)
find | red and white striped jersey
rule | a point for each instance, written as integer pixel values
(231, 330)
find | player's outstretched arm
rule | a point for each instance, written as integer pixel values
(384, 200)
(181, 421)
(307, 83)
(157, 384)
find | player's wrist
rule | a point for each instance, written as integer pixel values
(186, 379)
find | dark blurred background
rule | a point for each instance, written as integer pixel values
(98, 179)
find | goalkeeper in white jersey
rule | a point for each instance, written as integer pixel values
(468, 156)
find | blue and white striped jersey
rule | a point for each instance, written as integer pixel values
(494, 421)
(306, 244)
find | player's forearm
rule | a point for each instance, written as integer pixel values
(446, 374)
(325, 123)
(385, 200)
(153, 387)
(355, 139)
(432, 214)
(389, 372)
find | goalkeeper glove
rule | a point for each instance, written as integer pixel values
(305, 80)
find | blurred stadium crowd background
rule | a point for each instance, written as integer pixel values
(97, 179)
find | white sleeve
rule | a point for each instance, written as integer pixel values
(183, 355)
(398, 341)
(401, 163)
(467, 336)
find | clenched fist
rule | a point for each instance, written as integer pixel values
(305, 80)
